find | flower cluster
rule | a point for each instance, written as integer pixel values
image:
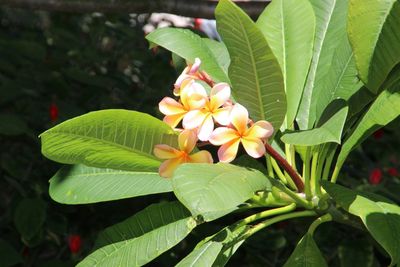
(212, 118)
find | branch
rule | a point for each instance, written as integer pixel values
(187, 8)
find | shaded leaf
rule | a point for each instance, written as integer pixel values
(79, 184)
(220, 52)
(214, 190)
(383, 110)
(306, 254)
(29, 216)
(381, 217)
(256, 78)
(118, 139)
(202, 256)
(284, 28)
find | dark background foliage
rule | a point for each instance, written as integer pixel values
(57, 66)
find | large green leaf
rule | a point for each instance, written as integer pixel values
(256, 78)
(332, 73)
(284, 28)
(382, 218)
(189, 45)
(383, 110)
(220, 53)
(330, 131)
(215, 190)
(142, 237)
(216, 250)
(374, 33)
(202, 256)
(306, 254)
(118, 139)
(80, 184)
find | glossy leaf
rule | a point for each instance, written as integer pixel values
(118, 139)
(215, 190)
(374, 33)
(306, 254)
(381, 217)
(189, 45)
(79, 184)
(256, 78)
(331, 70)
(383, 110)
(330, 131)
(143, 237)
(290, 34)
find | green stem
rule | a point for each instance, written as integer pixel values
(306, 173)
(276, 219)
(324, 218)
(335, 173)
(296, 197)
(286, 166)
(320, 165)
(328, 164)
(266, 213)
(269, 166)
(278, 171)
(313, 179)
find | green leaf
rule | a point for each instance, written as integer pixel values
(306, 254)
(142, 237)
(8, 255)
(29, 216)
(202, 256)
(381, 217)
(332, 67)
(218, 190)
(220, 53)
(117, 139)
(189, 45)
(374, 33)
(256, 78)
(383, 110)
(79, 184)
(330, 131)
(284, 28)
(217, 249)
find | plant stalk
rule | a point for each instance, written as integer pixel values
(324, 218)
(267, 213)
(286, 166)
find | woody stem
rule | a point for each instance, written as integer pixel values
(286, 166)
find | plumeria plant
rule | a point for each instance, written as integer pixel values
(260, 123)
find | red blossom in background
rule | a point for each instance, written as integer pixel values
(379, 134)
(393, 171)
(74, 243)
(375, 176)
(53, 112)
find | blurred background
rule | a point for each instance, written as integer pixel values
(58, 65)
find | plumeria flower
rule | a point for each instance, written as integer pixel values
(251, 138)
(203, 119)
(187, 141)
(192, 97)
(189, 73)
